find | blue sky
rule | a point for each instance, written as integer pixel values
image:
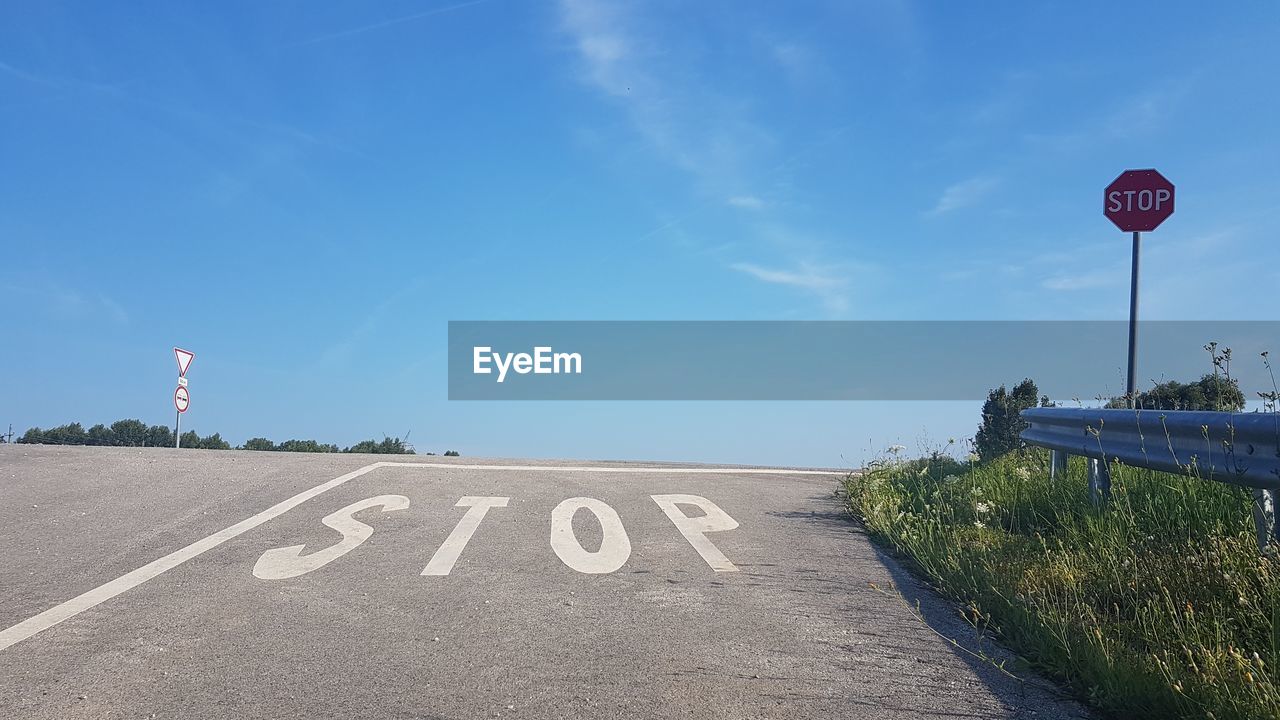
(305, 193)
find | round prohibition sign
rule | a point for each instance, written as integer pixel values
(181, 399)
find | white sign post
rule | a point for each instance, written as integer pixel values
(181, 398)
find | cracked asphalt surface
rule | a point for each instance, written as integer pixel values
(798, 631)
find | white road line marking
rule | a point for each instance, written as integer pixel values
(134, 578)
(76, 605)
(694, 528)
(281, 563)
(615, 547)
(444, 558)
(584, 468)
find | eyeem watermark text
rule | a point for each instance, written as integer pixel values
(543, 361)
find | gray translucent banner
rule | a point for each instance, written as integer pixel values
(836, 360)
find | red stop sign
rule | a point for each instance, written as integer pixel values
(1138, 200)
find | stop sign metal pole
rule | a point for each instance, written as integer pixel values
(1137, 201)
(1131, 382)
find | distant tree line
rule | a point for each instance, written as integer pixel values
(135, 433)
(1002, 423)
(386, 446)
(1211, 392)
(121, 433)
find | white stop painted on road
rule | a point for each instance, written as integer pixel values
(615, 547)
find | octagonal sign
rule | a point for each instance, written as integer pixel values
(1138, 200)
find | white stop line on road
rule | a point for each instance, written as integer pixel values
(58, 613)
(613, 553)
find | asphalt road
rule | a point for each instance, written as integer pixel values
(168, 584)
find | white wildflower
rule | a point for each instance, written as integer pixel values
(984, 507)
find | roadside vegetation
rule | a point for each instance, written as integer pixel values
(1155, 605)
(135, 433)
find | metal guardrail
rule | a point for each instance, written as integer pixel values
(1237, 448)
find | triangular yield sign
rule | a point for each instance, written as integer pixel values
(184, 360)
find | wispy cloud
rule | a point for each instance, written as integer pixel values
(827, 283)
(58, 82)
(1198, 250)
(802, 65)
(1135, 115)
(385, 23)
(695, 127)
(601, 42)
(66, 302)
(355, 341)
(747, 202)
(123, 91)
(964, 194)
(707, 133)
(23, 75)
(1144, 113)
(1087, 280)
(113, 310)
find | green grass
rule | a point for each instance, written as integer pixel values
(1157, 605)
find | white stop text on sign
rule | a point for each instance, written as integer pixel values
(1129, 200)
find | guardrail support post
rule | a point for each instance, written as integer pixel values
(1057, 464)
(1099, 481)
(1264, 518)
